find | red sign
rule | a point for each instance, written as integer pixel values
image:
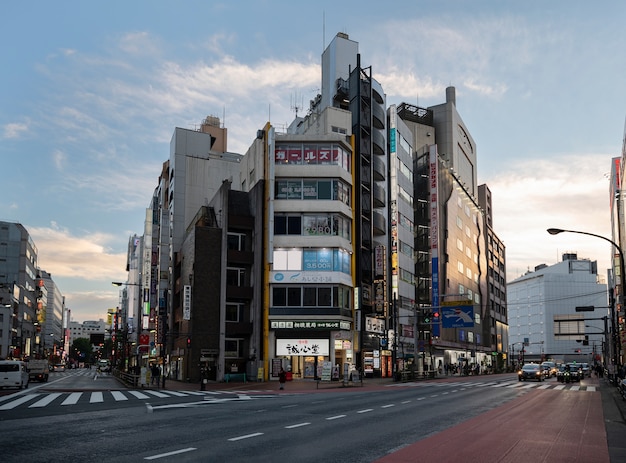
(144, 339)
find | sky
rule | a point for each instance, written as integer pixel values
(91, 93)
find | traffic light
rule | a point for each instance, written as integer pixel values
(188, 342)
(426, 318)
(435, 316)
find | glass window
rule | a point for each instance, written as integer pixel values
(280, 225)
(279, 296)
(294, 296)
(294, 225)
(324, 297)
(310, 297)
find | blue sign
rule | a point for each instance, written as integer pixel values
(461, 316)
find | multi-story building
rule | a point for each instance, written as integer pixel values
(52, 329)
(543, 320)
(495, 327)
(616, 274)
(19, 276)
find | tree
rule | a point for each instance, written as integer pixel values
(81, 350)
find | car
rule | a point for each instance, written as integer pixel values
(586, 369)
(549, 369)
(59, 367)
(530, 371)
(575, 372)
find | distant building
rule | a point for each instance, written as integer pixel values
(543, 321)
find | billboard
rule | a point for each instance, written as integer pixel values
(459, 315)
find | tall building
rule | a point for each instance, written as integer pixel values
(52, 330)
(543, 320)
(618, 236)
(19, 275)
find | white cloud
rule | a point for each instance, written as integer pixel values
(85, 257)
(564, 191)
(14, 130)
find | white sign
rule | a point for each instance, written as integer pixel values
(302, 347)
(187, 302)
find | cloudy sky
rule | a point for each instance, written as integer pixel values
(91, 92)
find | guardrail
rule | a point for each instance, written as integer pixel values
(128, 379)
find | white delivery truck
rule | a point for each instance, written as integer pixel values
(13, 373)
(38, 370)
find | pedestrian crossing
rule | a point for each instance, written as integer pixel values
(514, 384)
(40, 400)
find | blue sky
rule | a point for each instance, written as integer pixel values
(91, 93)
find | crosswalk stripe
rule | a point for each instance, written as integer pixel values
(139, 395)
(96, 397)
(72, 399)
(591, 388)
(117, 395)
(45, 400)
(157, 394)
(20, 401)
(194, 393)
(177, 394)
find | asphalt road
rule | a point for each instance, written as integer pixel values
(475, 419)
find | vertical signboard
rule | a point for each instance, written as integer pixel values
(187, 302)
(434, 230)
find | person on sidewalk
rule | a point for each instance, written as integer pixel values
(282, 377)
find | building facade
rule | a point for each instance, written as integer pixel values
(543, 321)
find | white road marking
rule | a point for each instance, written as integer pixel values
(45, 400)
(247, 436)
(336, 417)
(96, 397)
(139, 395)
(299, 425)
(72, 399)
(169, 454)
(20, 401)
(366, 410)
(117, 395)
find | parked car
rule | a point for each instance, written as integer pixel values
(549, 369)
(530, 371)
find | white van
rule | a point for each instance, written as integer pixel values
(13, 373)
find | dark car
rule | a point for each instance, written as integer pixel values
(574, 371)
(530, 371)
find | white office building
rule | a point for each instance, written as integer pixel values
(543, 320)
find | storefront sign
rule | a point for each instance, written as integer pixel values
(310, 325)
(302, 347)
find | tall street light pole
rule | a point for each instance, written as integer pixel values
(616, 357)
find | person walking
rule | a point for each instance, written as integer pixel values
(282, 377)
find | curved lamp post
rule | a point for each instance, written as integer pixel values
(616, 348)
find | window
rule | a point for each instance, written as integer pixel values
(234, 312)
(235, 276)
(311, 296)
(236, 241)
(233, 348)
(288, 259)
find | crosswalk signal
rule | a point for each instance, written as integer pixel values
(188, 342)
(435, 316)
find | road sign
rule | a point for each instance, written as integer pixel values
(457, 315)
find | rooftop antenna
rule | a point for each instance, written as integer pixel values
(294, 103)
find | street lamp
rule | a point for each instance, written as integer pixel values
(616, 348)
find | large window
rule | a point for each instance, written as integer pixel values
(312, 225)
(311, 296)
(312, 189)
(314, 260)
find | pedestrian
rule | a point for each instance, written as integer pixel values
(282, 377)
(155, 374)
